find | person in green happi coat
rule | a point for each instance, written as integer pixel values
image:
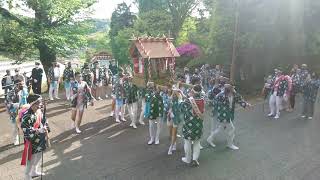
(192, 130)
(142, 103)
(132, 101)
(174, 118)
(226, 103)
(154, 113)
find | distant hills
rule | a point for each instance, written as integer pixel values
(99, 25)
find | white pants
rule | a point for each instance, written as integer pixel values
(33, 166)
(143, 106)
(275, 103)
(188, 150)
(133, 108)
(118, 110)
(155, 129)
(53, 89)
(228, 127)
(68, 93)
(15, 133)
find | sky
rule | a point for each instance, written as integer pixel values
(103, 8)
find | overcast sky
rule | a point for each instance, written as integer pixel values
(103, 8)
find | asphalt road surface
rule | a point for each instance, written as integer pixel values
(283, 149)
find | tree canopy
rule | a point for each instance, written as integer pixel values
(53, 30)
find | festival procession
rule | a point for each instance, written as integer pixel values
(149, 107)
(142, 95)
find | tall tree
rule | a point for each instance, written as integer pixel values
(154, 23)
(180, 10)
(121, 19)
(54, 27)
(150, 5)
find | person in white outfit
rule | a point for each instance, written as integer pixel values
(54, 80)
(226, 101)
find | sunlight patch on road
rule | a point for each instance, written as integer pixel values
(90, 128)
(66, 139)
(117, 134)
(73, 146)
(107, 128)
(53, 165)
(102, 130)
(76, 158)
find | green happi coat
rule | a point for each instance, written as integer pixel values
(176, 110)
(225, 108)
(132, 94)
(38, 140)
(141, 93)
(193, 125)
(127, 86)
(156, 106)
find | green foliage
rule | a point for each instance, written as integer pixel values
(123, 43)
(154, 23)
(150, 5)
(221, 32)
(55, 29)
(99, 41)
(180, 10)
(122, 20)
(16, 42)
(189, 27)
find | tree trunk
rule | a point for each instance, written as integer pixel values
(47, 56)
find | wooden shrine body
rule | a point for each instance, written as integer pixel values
(153, 60)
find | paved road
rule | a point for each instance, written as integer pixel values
(284, 149)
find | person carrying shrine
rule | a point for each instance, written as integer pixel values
(36, 77)
(35, 129)
(192, 130)
(68, 76)
(226, 103)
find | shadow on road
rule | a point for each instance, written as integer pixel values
(65, 139)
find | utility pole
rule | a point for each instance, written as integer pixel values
(235, 42)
